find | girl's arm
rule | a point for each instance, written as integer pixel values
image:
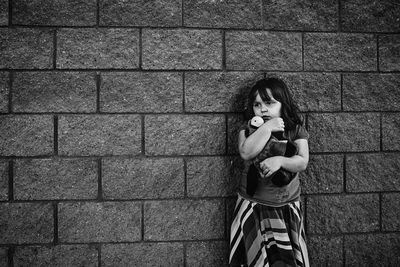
(296, 163)
(252, 145)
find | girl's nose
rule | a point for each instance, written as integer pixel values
(264, 108)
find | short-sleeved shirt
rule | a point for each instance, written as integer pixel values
(266, 192)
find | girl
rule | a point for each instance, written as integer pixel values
(268, 226)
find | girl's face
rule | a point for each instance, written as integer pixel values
(269, 109)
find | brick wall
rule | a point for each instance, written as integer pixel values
(119, 119)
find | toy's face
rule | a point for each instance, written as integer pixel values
(269, 109)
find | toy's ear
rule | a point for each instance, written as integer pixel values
(291, 149)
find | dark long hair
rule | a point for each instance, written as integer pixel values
(279, 90)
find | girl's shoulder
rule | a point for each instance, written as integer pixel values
(299, 132)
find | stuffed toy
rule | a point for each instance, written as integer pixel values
(276, 146)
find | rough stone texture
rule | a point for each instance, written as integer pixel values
(3, 257)
(234, 123)
(247, 50)
(340, 52)
(4, 12)
(54, 92)
(4, 180)
(185, 135)
(56, 12)
(36, 179)
(313, 91)
(207, 254)
(26, 48)
(26, 223)
(141, 92)
(389, 53)
(99, 222)
(342, 132)
(372, 172)
(142, 254)
(26, 135)
(325, 251)
(213, 176)
(98, 48)
(182, 49)
(141, 13)
(370, 16)
(378, 92)
(300, 15)
(143, 178)
(61, 255)
(183, 220)
(223, 14)
(390, 212)
(4, 91)
(99, 135)
(390, 131)
(324, 174)
(342, 214)
(218, 91)
(372, 250)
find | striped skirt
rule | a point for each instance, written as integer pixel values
(267, 236)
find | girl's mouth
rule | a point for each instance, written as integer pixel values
(266, 118)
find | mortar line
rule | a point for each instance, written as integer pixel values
(10, 12)
(55, 217)
(55, 135)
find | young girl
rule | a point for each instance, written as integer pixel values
(268, 225)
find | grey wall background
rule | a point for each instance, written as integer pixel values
(119, 119)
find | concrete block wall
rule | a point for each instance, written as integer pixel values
(119, 119)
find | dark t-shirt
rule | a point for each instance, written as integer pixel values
(266, 192)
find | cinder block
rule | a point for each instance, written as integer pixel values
(390, 131)
(378, 92)
(300, 15)
(324, 174)
(36, 179)
(215, 253)
(26, 223)
(26, 48)
(183, 220)
(213, 176)
(4, 179)
(372, 250)
(182, 49)
(313, 91)
(223, 14)
(143, 178)
(98, 48)
(26, 135)
(389, 53)
(141, 92)
(99, 222)
(246, 50)
(370, 16)
(340, 52)
(54, 92)
(4, 91)
(342, 214)
(218, 91)
(99, 135)
(325, 251)
(372, 172)
(4, 12)
(141, 13)
(60, 255)
(142, 254)
(56, 12)
(185, 134)
(391, 211)
(341, 132)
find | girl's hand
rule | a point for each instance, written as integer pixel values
(270, 165)
(275, 125)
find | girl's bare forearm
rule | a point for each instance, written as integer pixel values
(251, 146)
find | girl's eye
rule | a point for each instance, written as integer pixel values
(257, 105)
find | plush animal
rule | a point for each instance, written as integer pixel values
(276, 146)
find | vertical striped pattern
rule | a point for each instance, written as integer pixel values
(262, 235)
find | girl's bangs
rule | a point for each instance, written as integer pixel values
(264, 94)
